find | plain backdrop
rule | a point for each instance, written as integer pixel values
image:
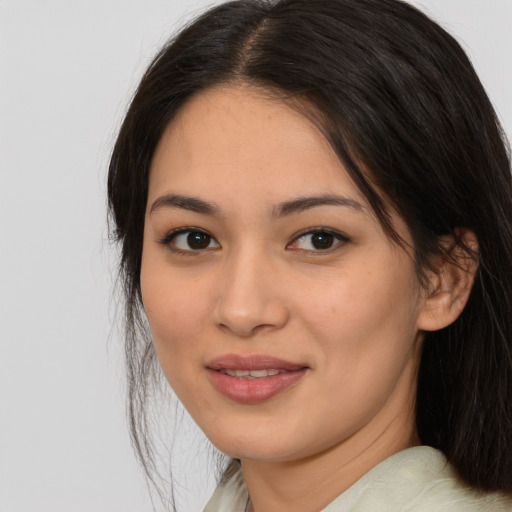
(67, 70)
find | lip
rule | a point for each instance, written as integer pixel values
(251, 391)
(252, 362)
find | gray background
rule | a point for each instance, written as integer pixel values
(67, 70)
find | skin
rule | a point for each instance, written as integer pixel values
(354, 314)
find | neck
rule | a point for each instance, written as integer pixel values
(313, 482)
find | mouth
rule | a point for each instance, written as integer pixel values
(253, 379)
(252, 364)
(252, 374)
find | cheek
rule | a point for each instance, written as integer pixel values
(175, 311)
(363, 315)
(366, 332)
(347, 302)
(175, 316)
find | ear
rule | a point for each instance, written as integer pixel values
(450, 283)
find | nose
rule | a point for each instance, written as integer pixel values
(251, 299)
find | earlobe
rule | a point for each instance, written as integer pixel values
(450, 283)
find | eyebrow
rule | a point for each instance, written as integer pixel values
(194, 204)
(305, 203)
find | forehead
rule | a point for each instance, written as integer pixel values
(241, 138)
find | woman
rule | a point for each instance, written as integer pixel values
(313, 199)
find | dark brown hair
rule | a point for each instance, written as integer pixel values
(400, 103)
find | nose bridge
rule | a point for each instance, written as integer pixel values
(249, 296)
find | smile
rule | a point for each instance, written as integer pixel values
(253, 379)
(252, 374)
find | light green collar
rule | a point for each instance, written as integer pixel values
(418, 479)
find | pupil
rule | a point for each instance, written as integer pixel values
(322, 240)
(198, 240)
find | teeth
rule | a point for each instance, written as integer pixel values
(251, 374)
(238, 373)
(263, 373)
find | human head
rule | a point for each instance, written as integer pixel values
(400, 104)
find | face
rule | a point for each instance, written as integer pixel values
(283, 317)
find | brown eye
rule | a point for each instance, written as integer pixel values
(318, 240)
(198, 240)
(322, 240)
(191, 240)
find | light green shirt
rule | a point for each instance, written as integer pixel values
(418, 479)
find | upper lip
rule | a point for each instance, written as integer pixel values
(252, 362)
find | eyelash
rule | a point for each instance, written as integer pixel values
(171, 237)
(338, 239)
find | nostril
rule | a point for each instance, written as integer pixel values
(249, 322)
(249, 301)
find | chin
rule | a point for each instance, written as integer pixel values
(256, 443)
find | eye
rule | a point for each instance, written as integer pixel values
(190, 240)
(318, 240)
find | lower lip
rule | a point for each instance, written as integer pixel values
(252, 391)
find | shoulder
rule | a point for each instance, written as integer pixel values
(416, 480)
